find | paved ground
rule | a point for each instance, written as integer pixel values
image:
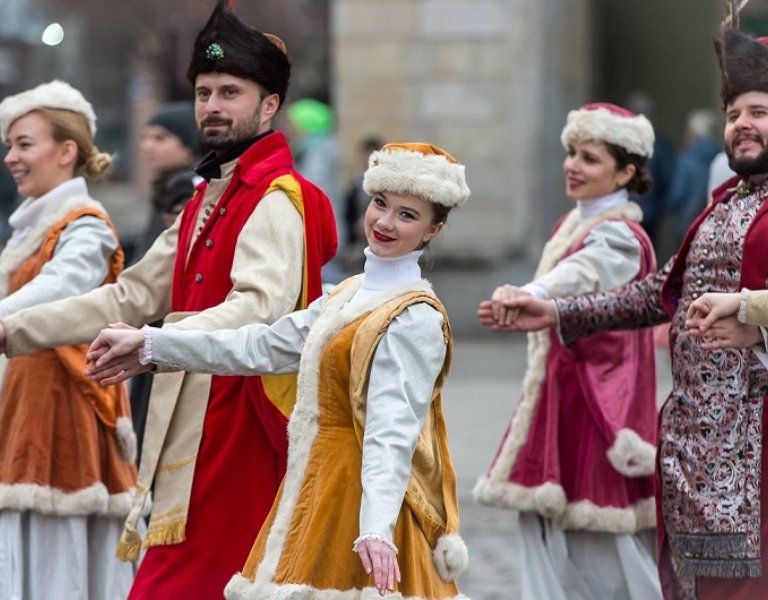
(480, 395)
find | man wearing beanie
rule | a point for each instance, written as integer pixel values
(170, 146)
(712, 475)
(247, 248)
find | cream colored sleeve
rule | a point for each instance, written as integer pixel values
(141, 294)
(266, 271)
(757, 308)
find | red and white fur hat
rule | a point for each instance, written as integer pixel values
(605, 122)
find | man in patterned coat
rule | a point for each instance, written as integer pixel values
(712, 495)
(247, 248)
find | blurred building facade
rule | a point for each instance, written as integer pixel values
(490, 80)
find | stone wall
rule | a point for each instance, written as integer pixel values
(488, 80)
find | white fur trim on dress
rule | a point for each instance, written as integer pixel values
(634, 134)
(631, 455)
(241, 588)
(55, 94)
(303, 424)
(429, 176)
(450, 556)
(549, 501)
(126, 438)
(93, 500)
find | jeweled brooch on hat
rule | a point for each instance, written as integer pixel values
(214, 52)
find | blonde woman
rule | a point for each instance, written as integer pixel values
(66, 445)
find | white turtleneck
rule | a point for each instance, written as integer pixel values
(383, 273)
(610, 256)
(592, 208)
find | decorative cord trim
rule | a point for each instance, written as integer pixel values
(376, 538)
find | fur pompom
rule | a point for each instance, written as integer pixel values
(450, 556)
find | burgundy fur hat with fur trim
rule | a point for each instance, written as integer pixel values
(228, 45)
(743, 64)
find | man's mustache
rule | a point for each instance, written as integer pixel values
(215, 121)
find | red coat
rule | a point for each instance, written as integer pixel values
(242, 455)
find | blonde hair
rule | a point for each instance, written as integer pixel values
(69, 125)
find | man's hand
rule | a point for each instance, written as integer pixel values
(708, 308)
(380, 559)
(729, 333)
(114, 354)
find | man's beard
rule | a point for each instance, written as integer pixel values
(222, 140)
(746, 166)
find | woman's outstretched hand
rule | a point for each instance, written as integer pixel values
(114, 355)
(381, 560)
(529, 313)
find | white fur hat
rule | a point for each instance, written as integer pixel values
(422, 170)
(55, 94)
(604, 122)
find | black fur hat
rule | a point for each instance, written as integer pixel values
(743, 59)
(228, 45)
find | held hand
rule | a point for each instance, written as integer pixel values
(114, 354)
(381, 560)
(533, 314)
(729, 333)
(114, 341)
(502, 295)
(708, 308)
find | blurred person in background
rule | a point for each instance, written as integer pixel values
(661, 165)
(688, 190)
(67, 450)
(318, 156)
(170, 148)
(355, 199)
(9, 199)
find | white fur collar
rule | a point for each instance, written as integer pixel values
(13, 255)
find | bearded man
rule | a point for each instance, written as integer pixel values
(247, 248)
(712, 474)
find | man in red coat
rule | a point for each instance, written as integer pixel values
(712, 468)
(247, 248)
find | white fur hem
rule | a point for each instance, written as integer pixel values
(93, 500)
(450, 556)
(241, 588)
(631, 455)
(549, 500)
(126, 438)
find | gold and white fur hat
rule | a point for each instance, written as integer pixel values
(418, 169)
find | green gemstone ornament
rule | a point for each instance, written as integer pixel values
(214, 52)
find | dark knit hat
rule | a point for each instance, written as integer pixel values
(179, 119)
(743, 60)
(228, 45)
